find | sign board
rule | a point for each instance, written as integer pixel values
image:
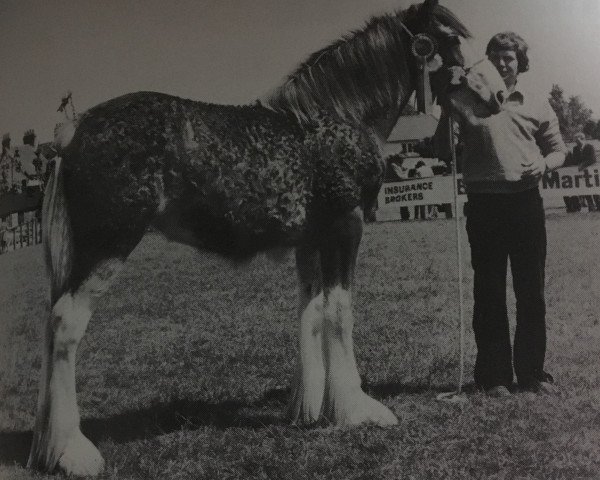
(563, 182)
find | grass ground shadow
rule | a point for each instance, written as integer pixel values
(186, 414)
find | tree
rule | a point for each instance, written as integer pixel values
(559, 105)
(573, 115)
(596, 133)
(590, 128)
(579, 113)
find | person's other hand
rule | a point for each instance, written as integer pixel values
(535, 169)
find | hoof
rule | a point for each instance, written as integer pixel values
(356, 409)
(304, 408)
(303, 412)
(81, 458)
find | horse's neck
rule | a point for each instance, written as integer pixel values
(383, 124)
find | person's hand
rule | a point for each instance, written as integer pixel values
(535, 169)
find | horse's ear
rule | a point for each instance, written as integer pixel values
(427, 9)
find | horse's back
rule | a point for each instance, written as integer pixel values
(234, 179)
(234, 175)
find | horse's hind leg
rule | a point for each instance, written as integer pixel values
(58, 441)
(309, 381)
(344, 401)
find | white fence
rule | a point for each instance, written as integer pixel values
(20, 236)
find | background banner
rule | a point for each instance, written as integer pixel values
(554, 187)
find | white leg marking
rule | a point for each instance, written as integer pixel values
(81, 457)
(345, 403)
(309, 383)
(58, 440)
(76, 454)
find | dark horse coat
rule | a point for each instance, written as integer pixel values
(230, 179)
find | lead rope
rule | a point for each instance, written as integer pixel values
(457, 397)
(461, 335)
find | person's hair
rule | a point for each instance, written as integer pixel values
(420, 163)
(510, 41)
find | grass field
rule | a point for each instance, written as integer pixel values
(184, 369)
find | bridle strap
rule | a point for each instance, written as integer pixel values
(406, 29)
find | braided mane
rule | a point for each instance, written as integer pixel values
(363, 73)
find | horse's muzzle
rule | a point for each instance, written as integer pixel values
(497, 102)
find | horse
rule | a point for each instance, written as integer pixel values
(235, 180)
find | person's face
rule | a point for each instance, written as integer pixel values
(579, 139)
(507, 65)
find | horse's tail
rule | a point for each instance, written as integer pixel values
(57, 233)
(64, 135)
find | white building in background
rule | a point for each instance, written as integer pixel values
(399, 151)
(408, 132)
(25, 164)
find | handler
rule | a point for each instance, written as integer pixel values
(504, 157)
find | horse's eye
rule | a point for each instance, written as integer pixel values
(453, 40)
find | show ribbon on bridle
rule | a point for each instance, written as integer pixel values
(423, 48)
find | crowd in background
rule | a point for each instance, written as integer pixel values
(401, 168)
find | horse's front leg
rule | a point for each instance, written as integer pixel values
(309, 380)
(344, 402)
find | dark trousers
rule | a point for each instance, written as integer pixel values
(572, 204)
(504, 227)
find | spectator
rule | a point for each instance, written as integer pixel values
(422, 170)
(582, 156)
(424, 212)
(402, 174)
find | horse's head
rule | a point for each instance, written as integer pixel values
(479, 81)
(450, 40)
(484, 81)
(444, 28)
(477, 91)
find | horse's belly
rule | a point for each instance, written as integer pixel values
(237, 232)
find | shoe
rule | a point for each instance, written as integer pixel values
(499, 391)
(542, 385)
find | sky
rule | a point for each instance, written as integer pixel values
(235, 51)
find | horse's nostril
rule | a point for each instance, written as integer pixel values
(500, 97)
